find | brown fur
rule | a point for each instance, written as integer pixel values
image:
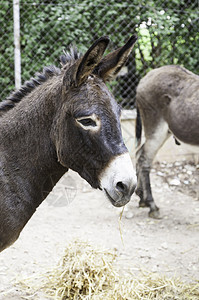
(168, 102)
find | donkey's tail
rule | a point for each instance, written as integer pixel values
(138, 129)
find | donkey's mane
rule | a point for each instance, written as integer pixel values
(48, 72)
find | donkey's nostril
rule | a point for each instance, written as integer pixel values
(122, 187)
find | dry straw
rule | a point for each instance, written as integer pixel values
(90, 274)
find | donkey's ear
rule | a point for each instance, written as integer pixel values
(112, 63)
(84, 66)
(91, 58)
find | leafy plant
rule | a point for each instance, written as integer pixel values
(167, 34)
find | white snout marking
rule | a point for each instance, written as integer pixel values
(120, 170)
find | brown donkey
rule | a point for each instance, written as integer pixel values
(63, 119)
(168, 103)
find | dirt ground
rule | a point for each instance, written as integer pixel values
(167, 246)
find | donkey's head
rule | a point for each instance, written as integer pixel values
(87, 132)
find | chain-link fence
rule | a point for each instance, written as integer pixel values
(167, 34)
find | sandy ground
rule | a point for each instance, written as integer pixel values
(167, 246)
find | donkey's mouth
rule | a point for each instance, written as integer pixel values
(117, 203)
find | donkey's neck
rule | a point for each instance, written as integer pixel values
(29, 156)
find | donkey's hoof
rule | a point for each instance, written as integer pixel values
(143, 204)
(139, 193)
(155, 214)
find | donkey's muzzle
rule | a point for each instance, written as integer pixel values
(121, 195)
(118, 180)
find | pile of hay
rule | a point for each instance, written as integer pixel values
(90, 274)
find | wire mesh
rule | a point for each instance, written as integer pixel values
(167, 34)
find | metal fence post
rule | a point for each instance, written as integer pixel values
(17, 51)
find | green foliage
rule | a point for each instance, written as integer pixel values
(6, 48)
(167, 31)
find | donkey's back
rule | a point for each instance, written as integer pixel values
(171, 94)
(168, 82)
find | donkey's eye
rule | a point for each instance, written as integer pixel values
(91, 123)
(87, 122)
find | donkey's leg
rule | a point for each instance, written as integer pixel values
(144, 158)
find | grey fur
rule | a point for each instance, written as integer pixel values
(168, 102)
